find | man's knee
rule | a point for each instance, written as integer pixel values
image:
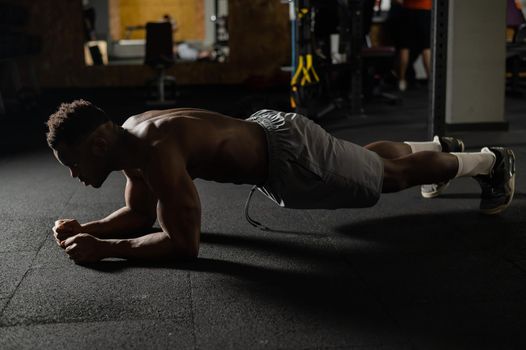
(395, 176)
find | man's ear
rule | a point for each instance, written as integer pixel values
(99, 146)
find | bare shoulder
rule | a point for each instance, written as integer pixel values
(157, 132)
(167, 166)
(135, 120)
(167, 113)
(166, 163)
(156, 119)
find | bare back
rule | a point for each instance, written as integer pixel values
(216, 147)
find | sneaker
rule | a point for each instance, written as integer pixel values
(449, 144)
(402, 85)
(499, 186)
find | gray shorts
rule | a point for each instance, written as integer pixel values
(311, 169)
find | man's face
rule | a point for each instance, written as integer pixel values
(83, 163)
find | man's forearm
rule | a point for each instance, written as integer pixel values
(121, 222)
(153, 246)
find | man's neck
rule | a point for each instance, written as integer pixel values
(130, 151)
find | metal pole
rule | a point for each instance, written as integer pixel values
(216, 22)
(355, 58)
(438, 82)
(292, 15)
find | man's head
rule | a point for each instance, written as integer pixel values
(81, 136)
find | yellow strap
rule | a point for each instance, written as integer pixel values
(302, 12)
(293, 102)
(305, 70)
(305, 80)
(299, 70)
(310, 68)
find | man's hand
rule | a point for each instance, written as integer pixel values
(84, 248)
(65, 228)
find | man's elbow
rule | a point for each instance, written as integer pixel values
(188, 251)
(192, 253)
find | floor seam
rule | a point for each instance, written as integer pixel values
(18, 251)
(16, 288)
(32, 324)
(30, 265)
(192, 314)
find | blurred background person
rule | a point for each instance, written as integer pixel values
(415, 36)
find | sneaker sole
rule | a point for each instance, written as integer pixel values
(429, 195)
(434, 194)
(501, 208)
(511, 183)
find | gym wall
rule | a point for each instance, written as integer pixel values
(259, 45)
(189, 16)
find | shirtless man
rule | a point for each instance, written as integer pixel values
(286, 156)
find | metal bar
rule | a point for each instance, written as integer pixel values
(292, 15)
(216, 22)
(438, 82)
(355, 58)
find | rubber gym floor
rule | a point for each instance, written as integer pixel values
(409, 273)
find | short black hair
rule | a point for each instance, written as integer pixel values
(73, 121)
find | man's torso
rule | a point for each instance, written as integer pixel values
(215, 147)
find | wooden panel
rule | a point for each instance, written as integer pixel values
(189, 15)
(259, 41)
(115, 19)
(260, 34)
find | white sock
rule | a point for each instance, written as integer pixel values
(425, 146)
(473, 164)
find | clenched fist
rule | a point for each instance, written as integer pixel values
(84, 248)
(65, 228)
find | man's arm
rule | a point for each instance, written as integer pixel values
(178, 211)
(138, 214)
